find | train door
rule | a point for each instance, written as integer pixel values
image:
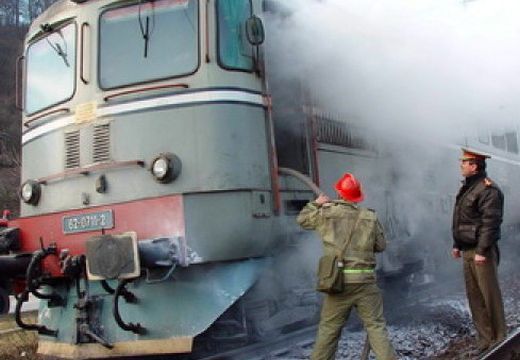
(292, 128)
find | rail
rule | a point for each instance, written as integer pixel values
(265, 349)
(509, 349)
(8, 325)
(7, 332)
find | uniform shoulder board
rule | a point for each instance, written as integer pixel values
(488, 182)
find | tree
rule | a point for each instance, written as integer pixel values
(19, 13)
(10, 12)
(10, 118)
(36, 7)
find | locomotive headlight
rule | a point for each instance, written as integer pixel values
(166, 168)
(30, 192)
(160, 168)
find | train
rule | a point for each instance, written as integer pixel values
(162, 167)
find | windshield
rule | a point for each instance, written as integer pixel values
(148, 41)
(50, 69)
(235, 52)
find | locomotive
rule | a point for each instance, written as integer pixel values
(160, 181)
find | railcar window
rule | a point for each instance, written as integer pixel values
(512, 142)
(498, 141)
(148, 41)
(51, 69)
(234, 52)
(483, 137)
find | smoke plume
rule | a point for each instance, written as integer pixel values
(423, 75)
(431, 67)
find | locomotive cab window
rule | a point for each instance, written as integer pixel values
(234, 50)
(51, 62)
(148, 41)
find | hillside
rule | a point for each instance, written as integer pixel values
(10, 117)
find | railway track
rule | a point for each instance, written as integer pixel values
(267, 349)
(509, 349)
(293, 345)
(8, 324)
(8, 332)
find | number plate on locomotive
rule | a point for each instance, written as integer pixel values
(88, 222)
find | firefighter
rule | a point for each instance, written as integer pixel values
(476, 230)
(334, 221)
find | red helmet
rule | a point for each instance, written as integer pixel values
(349, 188)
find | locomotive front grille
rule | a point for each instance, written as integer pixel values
(101, 143)
(72, 149)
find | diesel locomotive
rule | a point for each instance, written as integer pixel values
(161, 178)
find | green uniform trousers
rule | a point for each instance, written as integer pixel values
(485, 299)
(368, 302)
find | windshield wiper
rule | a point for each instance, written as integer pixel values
(146, 35)
(145, 30)
(62, 54)
(58, 49)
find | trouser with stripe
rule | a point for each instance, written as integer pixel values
(336, 308)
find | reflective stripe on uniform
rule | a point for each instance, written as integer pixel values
(358, 271)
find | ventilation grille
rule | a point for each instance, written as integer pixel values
(101, 143)
(338, 133)
(72, 149)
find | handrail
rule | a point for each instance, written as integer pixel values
(207, 32)
(84, 79)
(42, 115)
(86, 170)
(150, 88)
(18, 88)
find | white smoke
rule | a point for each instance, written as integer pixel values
(430, 70)
(430, 67)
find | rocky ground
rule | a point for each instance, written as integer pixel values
(438, 328)
(16, 345)
(464, 347)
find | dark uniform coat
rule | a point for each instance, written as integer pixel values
(477, 215)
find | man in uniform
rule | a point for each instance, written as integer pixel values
(476, 229)
(334, 221)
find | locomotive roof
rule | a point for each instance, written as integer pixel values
(55, 12)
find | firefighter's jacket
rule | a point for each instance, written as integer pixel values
(333, 222)
(477, 215)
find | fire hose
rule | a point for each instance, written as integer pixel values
(303, 178)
